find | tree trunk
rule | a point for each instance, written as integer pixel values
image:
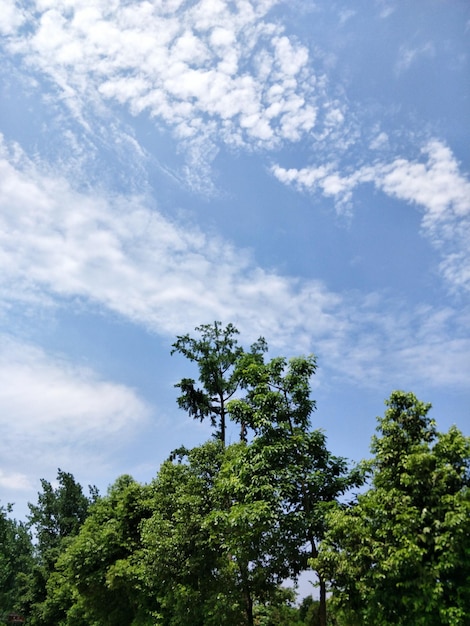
(248, 599)
(222, 418)
(249, 607)
(322, 611)
(322, 583)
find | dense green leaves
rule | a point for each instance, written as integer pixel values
(55, 519)
(287, 466)
(16, 561)
(99, 578)
(190, 571)
(400, 556)
(214, 538)
(58, 514)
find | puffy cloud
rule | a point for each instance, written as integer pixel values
(436, 185)
(57, 414)
(186, 65)
(11, 17)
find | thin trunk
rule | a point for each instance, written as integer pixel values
(243, 437)
(248, 606)
(246, 594)
(314, 551)
(322, 612)
(222, 426)
(322, 583)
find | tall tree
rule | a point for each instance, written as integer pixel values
(16, 561)
(287, 472)
(401, 554)
(216, 353)
(59, 513)
(99, 578)
(191, 574)
(204, 547)
(58, 516)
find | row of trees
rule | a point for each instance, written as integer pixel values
(214, 538)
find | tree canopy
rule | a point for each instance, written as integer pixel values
(222, 529)
(400, 554)
(217, 354)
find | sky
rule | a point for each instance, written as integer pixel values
(300, 169)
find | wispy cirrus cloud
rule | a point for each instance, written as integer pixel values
(434, 184)
(408, 55)
(118, 252)
(121, 254)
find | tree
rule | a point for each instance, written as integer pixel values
(244, 525)
(216, 353)
(15, 561)
(203, 547)
(56, 518)
(401, 555)
(99, 578)
(288, 478)
(190, 573)
(58, 514)
(280, 611)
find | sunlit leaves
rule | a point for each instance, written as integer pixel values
(400, 555)
(217, 355)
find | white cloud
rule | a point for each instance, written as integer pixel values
(56, 414)
(345, 15)
(16, 481)
(379, 141)
(50, 400)
(195, 67)
(435, 184)
(386, 8)
(11, 17)
(402, 347)
(409, 55)
(121, 255)
(132, 260)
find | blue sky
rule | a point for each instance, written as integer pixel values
(300, 169)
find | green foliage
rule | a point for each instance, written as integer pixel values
(99, 576)
(210, 544)
(16, 561)
(216, 535)
(288, 466)
(58, 514)
(280, 611)
(55, 519)
(400, 555)
(216, 353)
(191, 575)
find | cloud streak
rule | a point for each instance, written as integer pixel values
(117, 253)
(434, 184)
